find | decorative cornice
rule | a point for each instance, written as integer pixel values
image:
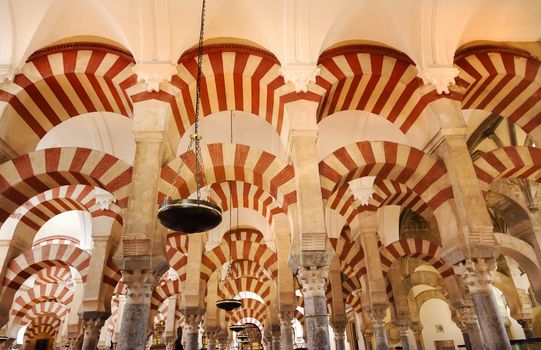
(75, 46)
(440, 77)
(473, 50)
(300, 75)
(364, 48)
(153, 74)
(239, 48)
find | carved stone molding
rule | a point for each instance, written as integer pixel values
(476, 274)
(313, 280)
(300, 75)
(140, 284)
(153, 74)
(440, 77)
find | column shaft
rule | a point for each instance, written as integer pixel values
(368, 338)
(286, 330)
(191, 331)
(340, 340)
(133, 328)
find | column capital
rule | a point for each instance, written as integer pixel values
(140, 284)
(477, 273)
(92, 327)
(313, 280)
(286, 317)
(191, 323)
(300, 75)
(7, 72)
(441, 77)
(377, 314)
(153, 74)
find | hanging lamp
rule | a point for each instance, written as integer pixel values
(192, 215)
(230, 304)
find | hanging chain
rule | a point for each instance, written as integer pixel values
(196, 137)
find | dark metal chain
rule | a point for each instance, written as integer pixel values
(197, 137)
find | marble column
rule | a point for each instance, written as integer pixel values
(526, 325)
(133, 329)
(377, 314)
(470, 331)
(211, 342)
(340, 336)
(191, 331)
(477, 277)
(417, 329)
(92, 321)
(404, 339)
(368, 336)
(313, 281)
(276, 341)
(286, 330)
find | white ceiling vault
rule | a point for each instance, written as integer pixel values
(295, 31)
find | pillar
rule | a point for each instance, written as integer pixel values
(286, 330)
(339, 329)
(377, 315)
(471, 331)
(92, 323)
(477, 278)
(275, 331)
(526, 325)
(191, 331)
(368, 336)
(313, 281)
(140, 284)
(417, 329)
(222, 339)
(211, 340)
(404, 339)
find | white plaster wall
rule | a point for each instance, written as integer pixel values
(436, 311)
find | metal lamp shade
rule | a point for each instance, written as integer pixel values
(189, 215)
(228, 304)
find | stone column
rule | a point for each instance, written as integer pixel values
(377, 314)
(339, 335)
(275, 330)
(191, 331)
(286, 330)
(93, 321)
(222, 339)
(526, 325)
(211, 340)
(368, 336)
(477, 277)
(313, 281)
(140, 284)
(404, 330)
(417, 329)
(471, 332)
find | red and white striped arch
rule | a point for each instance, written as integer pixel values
(54, 274)
(245, 195)
(256, 306)
(376, 79)
(234, 77)
(111, 273)
(61, 82)
(41, 293)
(238, 250)
(424, 175)
(176, 251)
(507, 162)
(43, 325)
(40, 257)
(505, 81)
(351, 256)
(246, 284)
(26, 176)
(48, 307)
(242, 314)
(247, 268)
(415, 248)
(168, 286)
(232, 162)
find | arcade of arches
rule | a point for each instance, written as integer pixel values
(375, 161)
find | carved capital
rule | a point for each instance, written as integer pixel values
(476, 273)
(300, 75)
(467, 315)
(526, 324)
(339, 328)
(103, 198)
(440, 77)
(377, 314)
(153, 74)
(93, 327)
(7, 72)
(286, 317)
(313, 280)
(140, 284)
(362, 188)
(191, 323)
